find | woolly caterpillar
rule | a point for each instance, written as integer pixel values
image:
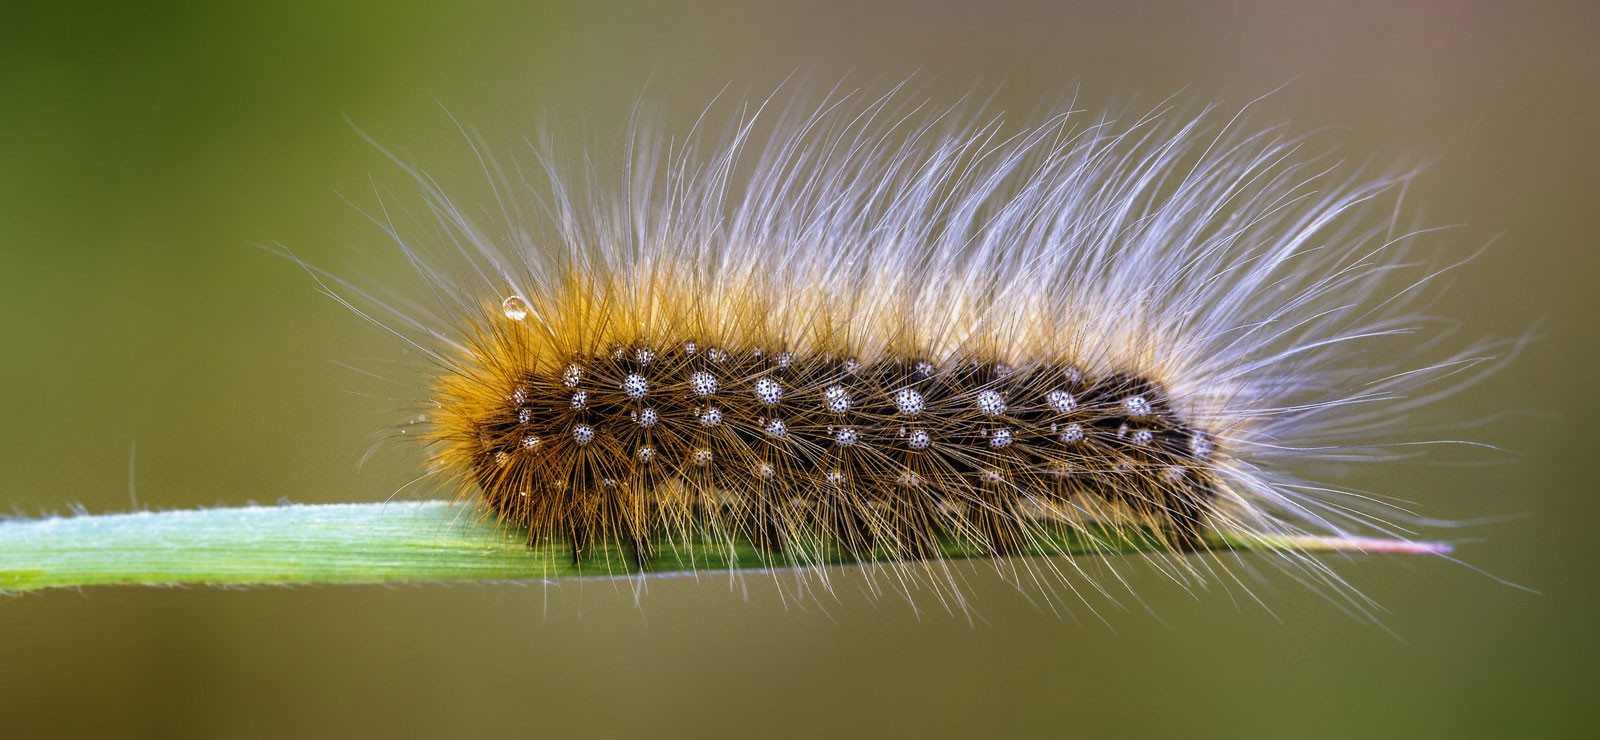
(866, 331)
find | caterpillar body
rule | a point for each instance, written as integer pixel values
(889, 452)
(866, 328)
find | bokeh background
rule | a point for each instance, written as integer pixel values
(144, 148)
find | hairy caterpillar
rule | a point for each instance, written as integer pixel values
(867, 329)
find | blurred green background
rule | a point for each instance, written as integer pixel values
(145, 147)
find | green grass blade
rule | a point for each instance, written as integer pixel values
(411, 541)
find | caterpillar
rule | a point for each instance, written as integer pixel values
(869, 325)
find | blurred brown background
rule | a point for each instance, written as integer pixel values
(143, 149)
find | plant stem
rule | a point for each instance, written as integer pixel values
(422, 541)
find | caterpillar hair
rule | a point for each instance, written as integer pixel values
(873, 329)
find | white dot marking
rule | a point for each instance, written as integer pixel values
(703, 383)
(711, 417)
(1137, 407)
(991, 403)
(768, 391)
(836, 398)
(909, 402)
(1061, 402)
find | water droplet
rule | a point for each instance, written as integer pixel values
(515, 308)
